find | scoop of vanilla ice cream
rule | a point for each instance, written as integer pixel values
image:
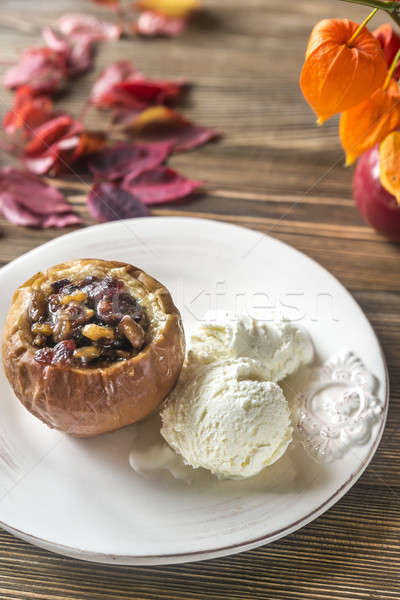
(227, 418)
(280, 346)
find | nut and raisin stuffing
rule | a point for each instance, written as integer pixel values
(87, 322)
(91, 345)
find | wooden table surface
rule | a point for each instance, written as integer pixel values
(276, 172)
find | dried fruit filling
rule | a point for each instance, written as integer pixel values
(89, 322)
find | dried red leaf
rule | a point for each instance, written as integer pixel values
(47, 134)
(77, 50)
(58, 144)
(110, 202)
(160, 123)
(151, 24)
(78, 38)
(81, 55)
(28, 111)
(73, 24)
(55, 41)
(62, 220)
(390, 44)
(160, 185)
(119, 98)
(151, 91)
(27, 200)
(121, 86)
(111, 75)
(90, 142)
(128, 159)
(42, 69)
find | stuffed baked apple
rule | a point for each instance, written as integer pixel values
(92, 345)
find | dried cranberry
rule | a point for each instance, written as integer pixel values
(128, 306)
(111, 309)
(63, 352)
(105, 310)
(89, 280)
(44, 356)
(111, 283)
(58, 285)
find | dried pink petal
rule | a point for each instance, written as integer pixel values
(40, 165)
(121, 86)
(81, 54)
(76, 23)
(17, 214)
(114, 73)
(160, 185)
(27, 200)
(151, 24)
(77, 49)
(55, 41)
(62, 220)
(29, 111)
(151, 91)
(110, 202)
(43, 69)
(57, 144)
(126, 159)
(159, 123)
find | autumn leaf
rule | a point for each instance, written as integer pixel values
(90, 142)
(160, 185)
(121, 86)
(110, 202)
(151, 24)
(159, 123)
(47, 134)
(27, 200)
(28, 112)
(370, 122)
(337, 75)
(125, 159)
(169, 8)
(389, 161)
(78, 24)
(42, 69)
(59, 143)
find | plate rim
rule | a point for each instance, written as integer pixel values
(231, 549)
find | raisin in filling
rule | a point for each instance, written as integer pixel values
(88, 322)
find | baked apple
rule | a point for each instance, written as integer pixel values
(92, 345)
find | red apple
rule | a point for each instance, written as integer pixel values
(377, 206)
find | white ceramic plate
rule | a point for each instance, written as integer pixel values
(81, 498)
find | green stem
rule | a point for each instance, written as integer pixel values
(391, 70)
(392, 8)
(362, 26)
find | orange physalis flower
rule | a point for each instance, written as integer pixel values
(337, 74)
(370, 122)
(389, 164)
(169, 8)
